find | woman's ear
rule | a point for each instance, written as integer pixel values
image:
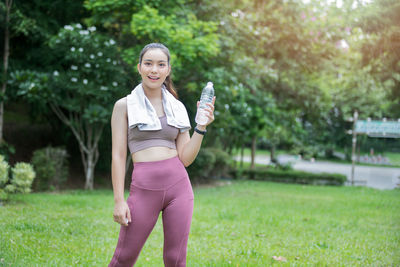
(138, 68)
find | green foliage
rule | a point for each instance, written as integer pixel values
(202, 166)
(279, 70)
(89, 77)
(4, 168)
(22, 178)
(210, 163)
(292, 176)
(222, 163)
(51, 167)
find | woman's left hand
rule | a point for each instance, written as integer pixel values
(209, 112)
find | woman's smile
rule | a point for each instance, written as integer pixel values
(153, 78)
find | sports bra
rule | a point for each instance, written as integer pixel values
(139, 140)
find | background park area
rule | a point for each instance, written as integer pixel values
(272, 181)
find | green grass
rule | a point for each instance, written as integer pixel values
(245, 223)
(393, 157)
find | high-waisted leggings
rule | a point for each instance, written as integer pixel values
(157, 186)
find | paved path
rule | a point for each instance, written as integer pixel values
(371, 176)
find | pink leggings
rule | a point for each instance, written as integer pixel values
(157, 186)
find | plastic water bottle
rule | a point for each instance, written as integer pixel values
(206, 97)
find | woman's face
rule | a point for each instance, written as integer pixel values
(154, 68)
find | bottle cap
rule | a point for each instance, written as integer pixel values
(210, 84)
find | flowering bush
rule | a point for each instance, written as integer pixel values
(22, 178)
(4, 167)
(89, 76)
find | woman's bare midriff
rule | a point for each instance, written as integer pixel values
(154, 154)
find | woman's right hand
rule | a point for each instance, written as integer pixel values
(122, 213)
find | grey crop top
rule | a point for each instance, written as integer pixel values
(139, 140)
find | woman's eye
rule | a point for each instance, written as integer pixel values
(147, 64)
(162, 65)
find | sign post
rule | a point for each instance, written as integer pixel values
(354, 143)
(380, 129)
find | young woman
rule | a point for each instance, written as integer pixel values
(155, 126)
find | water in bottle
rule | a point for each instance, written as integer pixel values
(206, 97)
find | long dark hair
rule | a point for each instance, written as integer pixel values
(168, 81)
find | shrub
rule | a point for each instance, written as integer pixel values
(4, 167)
(210, 163)
(202, 166)
(22, 178)
(51, 167)
(292, 176)
(222, 162)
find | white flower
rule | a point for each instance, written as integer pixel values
(108, 60)
(112, 42)
(57, 41)
(222, 23)
(97, 65)
(72, 49)
(73, 79)
(114, 62)
(103, 88)
(91, 56)
(31, 85)
(68, 27)
(85, 81)
(87, 65)
(80, 49)
(79, 26)
(73, 67)
(92, 29)
(55, 73)
(115, 83)
(83, 32)
(99, 54)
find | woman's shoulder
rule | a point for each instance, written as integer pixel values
(120, 104)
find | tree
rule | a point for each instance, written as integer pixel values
(15, 22)
(82, 88)
(6, 54)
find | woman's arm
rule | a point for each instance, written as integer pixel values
(119, 131)
(187, 147)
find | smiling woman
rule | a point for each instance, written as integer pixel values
(155, 125)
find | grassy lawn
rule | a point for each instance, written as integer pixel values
(245, 223)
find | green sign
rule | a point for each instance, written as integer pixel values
(379, 128)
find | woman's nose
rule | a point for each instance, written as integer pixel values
(154, 68)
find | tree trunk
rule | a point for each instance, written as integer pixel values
(241, 155)
(5, 65)
(88, 137)
(272, 156)
(253, 150)
(89, 171)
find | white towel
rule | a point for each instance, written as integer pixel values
(142, 114)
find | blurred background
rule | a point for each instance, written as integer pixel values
(288, 76)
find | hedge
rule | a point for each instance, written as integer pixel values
(293, 176)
